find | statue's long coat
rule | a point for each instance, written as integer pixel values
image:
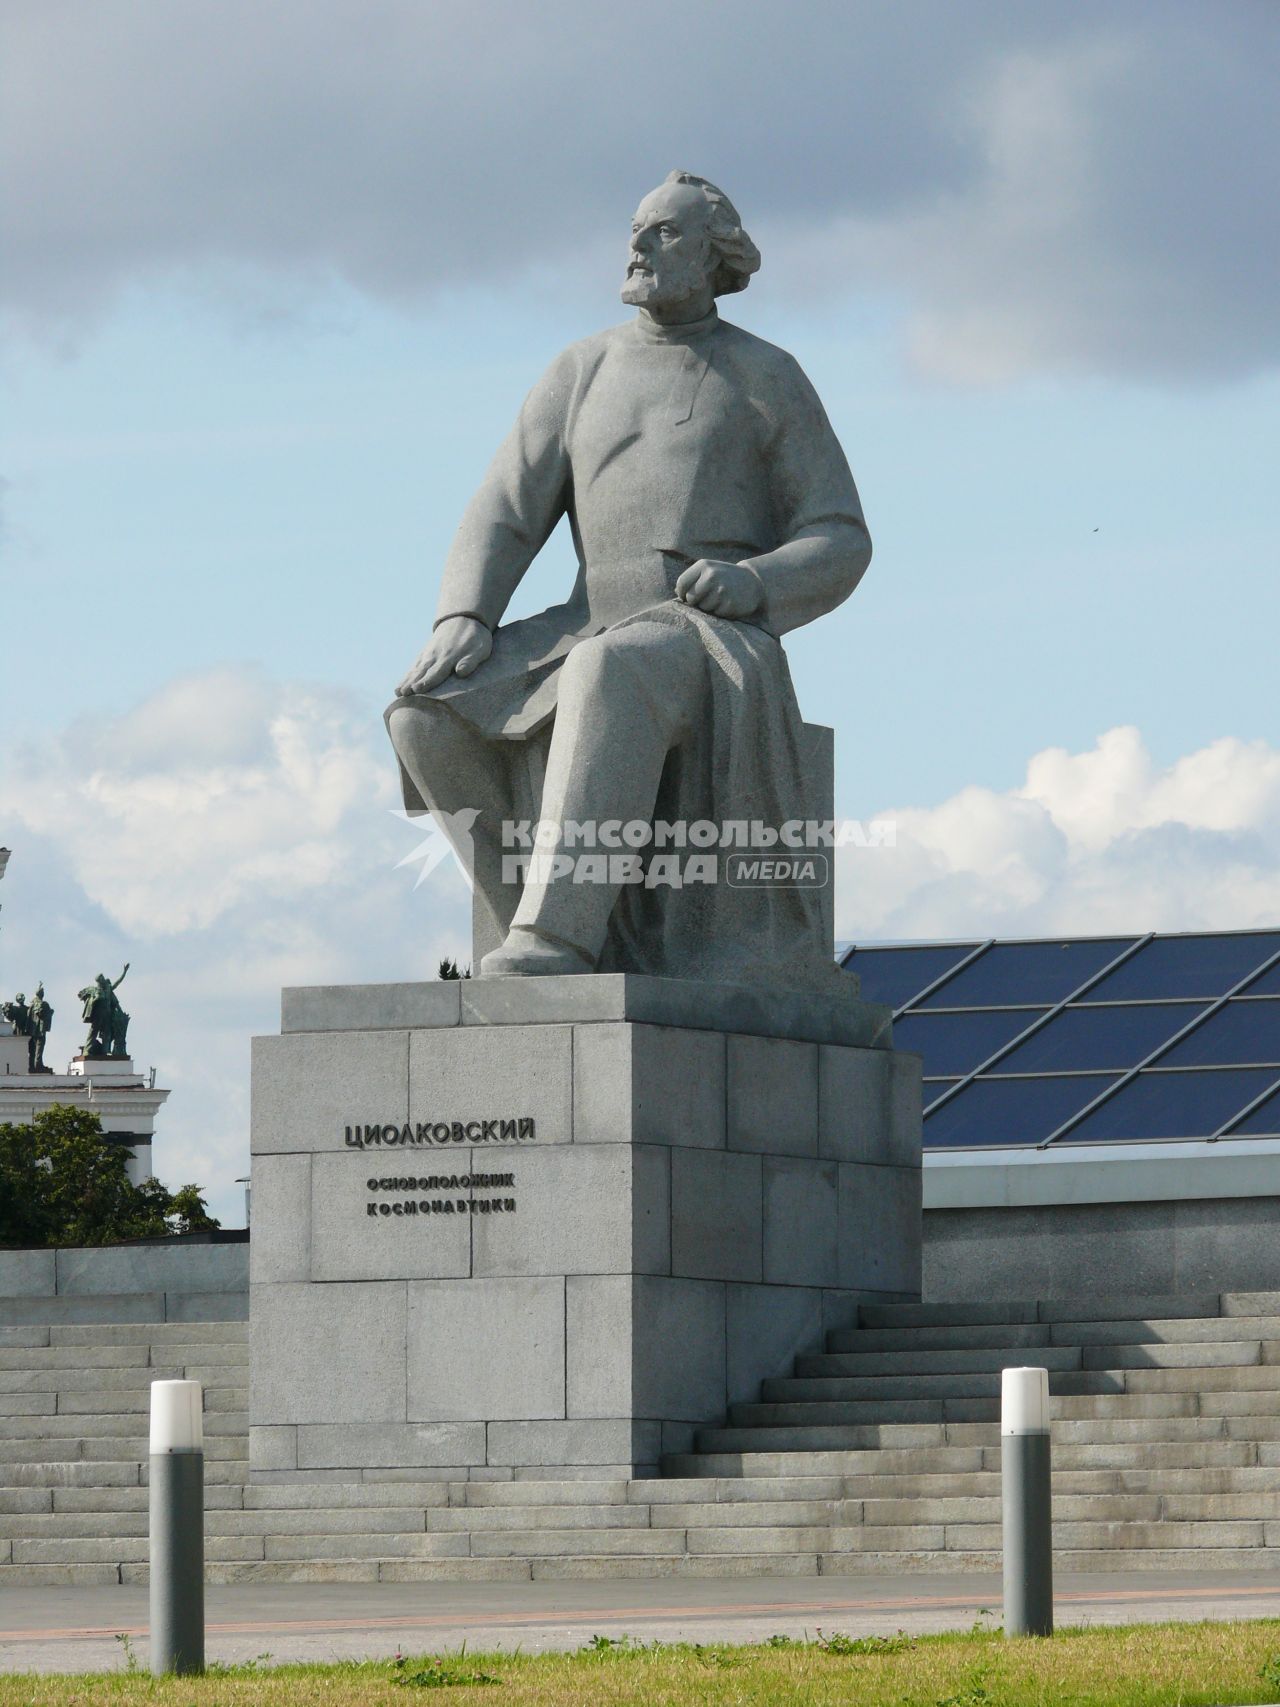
(663, 446)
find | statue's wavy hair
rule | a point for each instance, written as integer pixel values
(738, 255)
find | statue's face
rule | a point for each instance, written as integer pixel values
(670, 258)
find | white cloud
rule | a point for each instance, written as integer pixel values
(1078, 186)
(233, 834)
(1095, 841)
(230, 835)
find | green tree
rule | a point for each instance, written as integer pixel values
(448, 968)
(61, 1184)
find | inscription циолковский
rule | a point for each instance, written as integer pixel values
(505, 1130)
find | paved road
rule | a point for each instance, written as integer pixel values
(75, 1629)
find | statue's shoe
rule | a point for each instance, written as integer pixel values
(527, 954)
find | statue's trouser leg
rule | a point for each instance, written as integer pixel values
(454, 768)
(624, 700)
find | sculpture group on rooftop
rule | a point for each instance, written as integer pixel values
(31, 1020)
(107, 1021)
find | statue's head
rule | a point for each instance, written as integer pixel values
(686, 236)
(19, 999)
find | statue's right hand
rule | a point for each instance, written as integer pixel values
(458, 647)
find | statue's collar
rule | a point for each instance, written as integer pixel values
(652, 333)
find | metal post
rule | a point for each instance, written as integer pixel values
(177, 1527)
(1028, 1518)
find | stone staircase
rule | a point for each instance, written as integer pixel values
(881, 1454)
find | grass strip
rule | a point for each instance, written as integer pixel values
(1235, 1664)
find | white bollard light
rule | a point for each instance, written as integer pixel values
(1027, 1501)
(177, 1527)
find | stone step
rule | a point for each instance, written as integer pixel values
(217, 1497)
(73, 1380)
(997, 1336)
(56, 1358)
(1108, 1407)
(978, 1314)
(129, 1355)
(585, 1568)
(28, 1336)
(136, 1403)
(104, 1447)
(896, 1363)
(1024, 1336)
(28, 1404)
(64, 1473)
(986, 1484)
(149, 1333)
(885, 1393)
(833, 1436)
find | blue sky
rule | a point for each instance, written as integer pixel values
(281, 277)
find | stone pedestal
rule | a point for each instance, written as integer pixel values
(14, 1054)
(509, 1224)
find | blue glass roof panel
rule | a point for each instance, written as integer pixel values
(1035, 973)
(1239, 1033)
(1186, 966)
(896, 975)
(1009, 1111)
(1094, 1038)
(1267, 985)
(1264, 1121)
(957, 1043)
(1174, 1105)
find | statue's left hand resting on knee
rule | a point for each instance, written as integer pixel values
(712, 509)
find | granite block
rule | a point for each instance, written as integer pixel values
(281, 1187)
(309, 1087)
(408, 1242)
(1227, 1244)
(328, 1354)
(766, 1327)
(273, 1448)
(403, 1446)
(648, 1084)
(870, 1106)
(26, 1274)
(581, 1209)
(207, 1306)
(716, 1215)
(599, 1365)
(880, 1227)
(772, 1096)
(800, 1222)
(486, 1350)
(833, 1014)
(679, 1348)
(475, 1074)
(648, 1346)
(906, 1109)
(370, 1007)
(612, 1441)
(115, 1270)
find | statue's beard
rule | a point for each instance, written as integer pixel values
(666, 286)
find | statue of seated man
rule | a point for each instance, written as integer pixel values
(712, 510)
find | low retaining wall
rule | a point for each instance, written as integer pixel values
(1091, 1250)
(186, 1279)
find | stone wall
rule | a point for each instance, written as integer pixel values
(180, 1280)
(1092, 1250)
